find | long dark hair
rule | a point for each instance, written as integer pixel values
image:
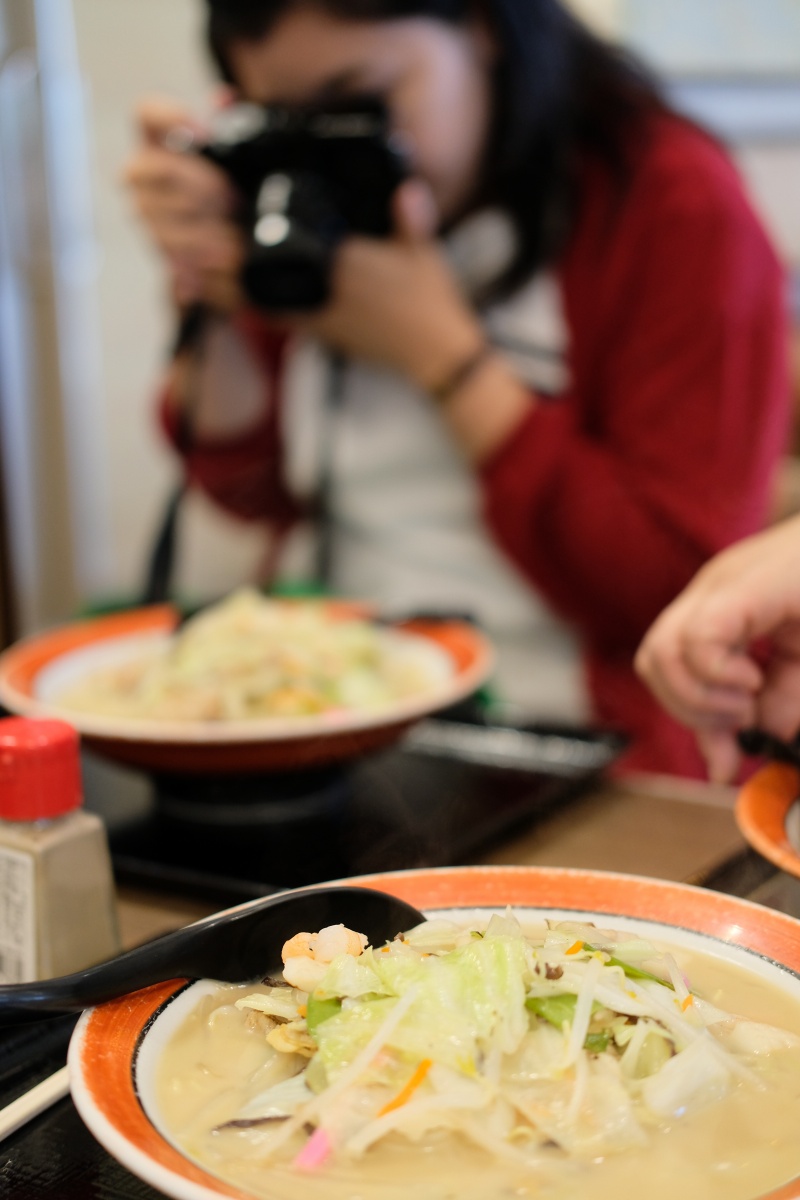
(561, 96)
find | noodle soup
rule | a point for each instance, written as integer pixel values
(598, 1063)
(250, 658)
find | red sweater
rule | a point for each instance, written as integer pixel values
(610, 498)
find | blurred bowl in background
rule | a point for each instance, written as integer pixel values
(36, 670)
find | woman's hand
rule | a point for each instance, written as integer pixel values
(395, 301)
(699, 659)
(187, 205)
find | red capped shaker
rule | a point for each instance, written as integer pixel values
(57, 902)
(40, 771)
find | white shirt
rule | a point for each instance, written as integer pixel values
(405, 520)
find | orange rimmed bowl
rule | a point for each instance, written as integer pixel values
(766, 802)
(32, 671)
(114, 1052)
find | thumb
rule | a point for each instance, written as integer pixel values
(416, 217)
(721, 752)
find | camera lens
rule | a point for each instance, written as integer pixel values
(305, 181)
(296, 228)
(292, 275)
(272, 229)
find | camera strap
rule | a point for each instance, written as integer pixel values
(158, 586)
(333, 400)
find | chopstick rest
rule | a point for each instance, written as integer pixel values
(29, 1105)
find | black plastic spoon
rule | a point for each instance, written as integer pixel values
(235, 946)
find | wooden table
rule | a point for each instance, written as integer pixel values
(647, 825)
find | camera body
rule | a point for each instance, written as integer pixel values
(306, 179)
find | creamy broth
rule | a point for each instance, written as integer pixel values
(736, 1148)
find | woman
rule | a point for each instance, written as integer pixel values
(565, 381)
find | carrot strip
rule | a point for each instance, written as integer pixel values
(575, 948)
(689, 1000)
(405, 1093)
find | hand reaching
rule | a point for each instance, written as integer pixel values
(726, 654)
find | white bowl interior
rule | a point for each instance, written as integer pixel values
(176, 1010)
(71, 668)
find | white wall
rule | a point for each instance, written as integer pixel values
(606, 16)
(728, 47)
(128, 48)
(729, 36)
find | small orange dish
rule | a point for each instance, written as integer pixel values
(763, 807)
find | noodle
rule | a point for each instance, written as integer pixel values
(250, 657)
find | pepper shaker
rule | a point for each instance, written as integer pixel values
(57, 904)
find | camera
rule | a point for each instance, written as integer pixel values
(306, 179)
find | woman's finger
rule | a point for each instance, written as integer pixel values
(778, 710)
(187, 284)
(201, 244)
(721, 752)
(160, 171)
(719, 664)
(157, 116)
(688, 697)
(416, 217)
(220, 290)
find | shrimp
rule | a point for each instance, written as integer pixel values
(338, 939)
(306, 955)
(302, 944)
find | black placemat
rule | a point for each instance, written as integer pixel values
(53, 1157)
